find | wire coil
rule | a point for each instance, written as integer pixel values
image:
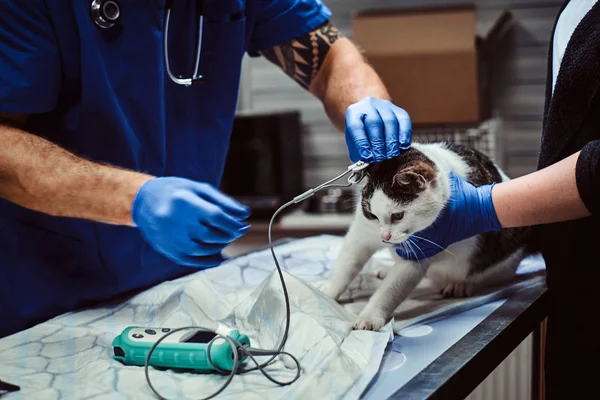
(236, 346)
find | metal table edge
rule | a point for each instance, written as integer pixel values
(459, 370)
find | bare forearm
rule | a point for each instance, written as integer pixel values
(331, 68)
(546, 196)
(41, 176)
(344, 79)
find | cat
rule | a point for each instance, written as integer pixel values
(403, 196)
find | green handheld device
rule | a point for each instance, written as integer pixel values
(180, 350)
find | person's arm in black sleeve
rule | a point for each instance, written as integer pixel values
(587, 173)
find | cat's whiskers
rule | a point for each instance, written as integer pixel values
(433, 243)
(410, 244)
(418, 248)
(405, 247)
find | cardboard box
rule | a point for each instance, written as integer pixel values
(430, 61)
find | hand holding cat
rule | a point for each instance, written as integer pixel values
(376, 130)
(468, 212)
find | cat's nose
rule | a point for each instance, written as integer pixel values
(386, 236)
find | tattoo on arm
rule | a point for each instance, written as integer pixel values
(303, 57)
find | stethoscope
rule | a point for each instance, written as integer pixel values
(106, 13)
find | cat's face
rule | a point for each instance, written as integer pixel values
(402, 196)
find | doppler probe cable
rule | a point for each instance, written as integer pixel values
(355, 177)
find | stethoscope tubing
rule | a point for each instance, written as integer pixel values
(105, 20)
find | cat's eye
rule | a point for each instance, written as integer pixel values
(369, 215)
(397, 217)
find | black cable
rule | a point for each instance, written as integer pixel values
(8, 387)
(232, 342)
(237, 346)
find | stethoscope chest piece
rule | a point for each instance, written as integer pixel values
(105, 13)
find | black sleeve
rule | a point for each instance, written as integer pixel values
(587, 175)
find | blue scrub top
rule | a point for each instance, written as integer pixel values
(105, 95)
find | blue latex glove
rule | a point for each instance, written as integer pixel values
(376, 130)
(186, 221)
(469, 212)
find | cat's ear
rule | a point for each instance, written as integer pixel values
(418, 175)
(426, 170)
(410, 179)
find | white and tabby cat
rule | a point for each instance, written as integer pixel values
(403, 196)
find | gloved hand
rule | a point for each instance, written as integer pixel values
(186, 221)
(469, 212)
(376, 130)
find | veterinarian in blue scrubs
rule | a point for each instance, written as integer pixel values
(109, 167)
(561, 200)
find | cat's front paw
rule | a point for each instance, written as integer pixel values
(370, 323)
(458, 290)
